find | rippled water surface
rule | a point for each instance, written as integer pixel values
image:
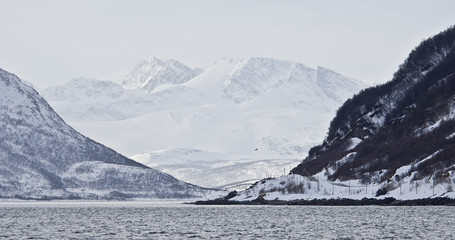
(146, 220)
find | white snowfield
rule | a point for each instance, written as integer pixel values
(235, 123)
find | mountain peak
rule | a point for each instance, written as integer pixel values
(152, 72)
(21, 100)
(153, 60)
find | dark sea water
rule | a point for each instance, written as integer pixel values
(164, 220)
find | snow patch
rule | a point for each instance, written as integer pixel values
(353, 142)
(450, 136)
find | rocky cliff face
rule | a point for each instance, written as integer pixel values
(42, 157)
(402, 129)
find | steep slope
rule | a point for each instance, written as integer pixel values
(245, 110)
(42, 157)
(402, 131)
(152, 72)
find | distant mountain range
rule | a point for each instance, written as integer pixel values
(41, 157)
(238, 121)
(395, 139)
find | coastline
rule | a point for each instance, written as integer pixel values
(389, 201)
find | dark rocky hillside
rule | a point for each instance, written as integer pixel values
(407, 121)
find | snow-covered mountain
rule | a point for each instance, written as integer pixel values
(257, 115)
(152, 72)
(42, 157)
(396, 139)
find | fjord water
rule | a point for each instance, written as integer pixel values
(164, 220)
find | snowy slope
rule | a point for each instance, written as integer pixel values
(318, 186)
(247, 110)
(42, 157)
(295, 187)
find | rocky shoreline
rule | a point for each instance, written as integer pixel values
(390, 201)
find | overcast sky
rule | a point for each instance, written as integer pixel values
(51, 42)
